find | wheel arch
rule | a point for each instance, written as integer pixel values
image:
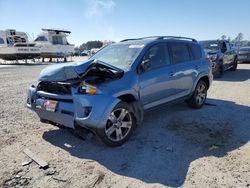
(128, 98)
(136, 106)
(206, 80)
(203, 77)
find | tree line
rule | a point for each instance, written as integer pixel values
(89, 45)
(237, 41)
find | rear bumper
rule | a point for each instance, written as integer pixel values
(90, 112)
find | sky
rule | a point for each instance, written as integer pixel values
(120, 19)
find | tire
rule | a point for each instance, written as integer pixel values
(119, 127)
(220, 70)
(235, 64)
(198, 98)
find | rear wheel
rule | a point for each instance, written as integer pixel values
(119, 126)
(199, 96)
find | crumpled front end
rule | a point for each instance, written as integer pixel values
(68, 94)
(89, 111)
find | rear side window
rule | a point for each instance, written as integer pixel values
(180, 52)
(1, 41)
(196, 51)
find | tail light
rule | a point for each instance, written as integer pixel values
(209, 61)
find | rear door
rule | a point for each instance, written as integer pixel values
(231, 53)
(186, 68)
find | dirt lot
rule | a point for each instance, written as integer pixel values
(175, 146)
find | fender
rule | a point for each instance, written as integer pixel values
(137, 109)
(198, 79)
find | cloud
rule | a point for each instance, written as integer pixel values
(97, 8)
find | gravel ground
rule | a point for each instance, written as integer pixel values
(176, 146)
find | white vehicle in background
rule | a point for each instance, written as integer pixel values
(94, 50)
(54, 44)
(14, 45)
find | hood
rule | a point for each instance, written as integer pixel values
(69, 71)
(65, 71)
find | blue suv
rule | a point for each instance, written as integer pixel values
(108, 93)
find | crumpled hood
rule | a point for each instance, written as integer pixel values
(64, 71)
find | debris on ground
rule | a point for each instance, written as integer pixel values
(43, 164)
(100, 176)
(59, 179)
(50, 171)
(17, 180)
(27, 162)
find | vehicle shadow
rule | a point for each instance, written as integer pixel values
(235, 76)
(169, 140)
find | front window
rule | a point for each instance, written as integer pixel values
(119, 55)
(41, 38)
(210, 45)
(244, 50)
(157, 56)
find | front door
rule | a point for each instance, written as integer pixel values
(155, 82)
(228, 55)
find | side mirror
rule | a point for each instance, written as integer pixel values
(144, 66)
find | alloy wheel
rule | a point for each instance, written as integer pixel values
(119, 124)
(201, 93)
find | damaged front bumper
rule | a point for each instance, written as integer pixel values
(83, 110)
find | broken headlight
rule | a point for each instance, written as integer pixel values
(87, 89)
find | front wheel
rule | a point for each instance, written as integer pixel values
(119, 126)
(235, 64)
(219, 70)
(199, 96)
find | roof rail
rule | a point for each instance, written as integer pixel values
(175, 37)
(127, 40)
(156, 37)
(160, 37)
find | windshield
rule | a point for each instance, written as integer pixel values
(210, 45)
(119, 55)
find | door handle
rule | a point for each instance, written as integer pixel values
(171, 74)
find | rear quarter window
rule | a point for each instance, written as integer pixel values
(180, 52)
(196, 51)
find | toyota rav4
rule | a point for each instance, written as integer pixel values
(108, 93)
